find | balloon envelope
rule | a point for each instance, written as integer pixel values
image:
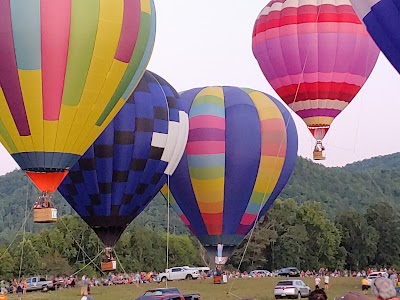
(241, 150)
(382, 19)
(316, 55)
(128, 164)
(66, 68)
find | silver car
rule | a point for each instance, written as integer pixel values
(291, 289)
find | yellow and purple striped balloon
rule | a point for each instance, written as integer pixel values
(66, 68)
(241, 151)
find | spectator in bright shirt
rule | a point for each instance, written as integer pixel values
(364, 285)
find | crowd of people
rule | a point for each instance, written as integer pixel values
(14, 287)
(383, 289)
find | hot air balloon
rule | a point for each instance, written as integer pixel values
(241, 151)
(316, 56)
(382, 19)
(128, 164)
(66, 68)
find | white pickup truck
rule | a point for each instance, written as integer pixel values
(178, 273)
(39, 283)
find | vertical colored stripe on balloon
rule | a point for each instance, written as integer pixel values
(273, 144)
(107, 37)
(55, 25)
(133, 66)
(26, 32)
(243, 143)
(5, 137)
(148, 15)
(9, 81)
(133, 73)
(208, 181)
(31, 84)
(84, 24)
(130, 30)
(9, 125)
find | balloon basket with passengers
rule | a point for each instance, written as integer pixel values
(108, 263)
(220, 276)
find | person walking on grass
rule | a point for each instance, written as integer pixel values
(20, 291)
(364, 285)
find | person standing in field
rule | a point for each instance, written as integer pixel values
(326, 281)
(317, 283)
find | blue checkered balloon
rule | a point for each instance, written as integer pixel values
(128, 164)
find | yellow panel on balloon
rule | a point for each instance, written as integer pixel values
(209, 190)
(9, 124)
(268, 173)
(216, 91)
(266, 108)
(31, 85)
(95, 130)
(318, 121)
(50, 133)
(211, 208)
(146, 6)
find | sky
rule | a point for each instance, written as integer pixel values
(208, 42)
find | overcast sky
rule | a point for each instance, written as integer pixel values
(208, 42)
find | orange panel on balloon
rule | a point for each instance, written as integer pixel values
(47, 182)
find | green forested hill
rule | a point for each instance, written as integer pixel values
(341, 188)
(356, 185)
(387, 162)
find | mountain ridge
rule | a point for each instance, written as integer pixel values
(356, 185)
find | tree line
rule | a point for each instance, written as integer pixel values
(291, 234)
(304, 236)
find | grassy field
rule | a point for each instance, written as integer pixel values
(256, 288)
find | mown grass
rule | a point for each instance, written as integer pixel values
(255, 288)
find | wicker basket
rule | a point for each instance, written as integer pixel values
(318, 155)
(45, 215)
(109, 266)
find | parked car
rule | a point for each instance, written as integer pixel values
(38, 283)
(371, 277)
(178, 273)
(260, 273)
(167, 294)
(291, 289)
(289, 272)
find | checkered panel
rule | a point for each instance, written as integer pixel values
(123, 170)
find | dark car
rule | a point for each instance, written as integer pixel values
(167, 294)
(289, 272)
(163, 297)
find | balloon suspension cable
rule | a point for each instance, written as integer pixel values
(90, 262)
(168, 224)
(24, 231)
(81, 248)
(16, 235)
(264, 200)
(122, 267)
